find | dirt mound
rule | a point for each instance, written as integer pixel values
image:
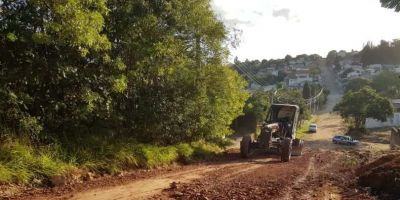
(357, 132)
(382, 175)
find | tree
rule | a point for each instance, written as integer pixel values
(306, 91)
(356, 84)
(55, 70)
(258, 105)
(384, 53)
(387, 83)
(177, 87)
(152, 71)
(362, 104)
(392, 4)
(294, 96)
(331, 57)
(288, 58)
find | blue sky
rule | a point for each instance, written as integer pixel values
(275, 28)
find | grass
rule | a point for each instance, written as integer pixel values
(349, 162)
(303, 130)
(21, 163)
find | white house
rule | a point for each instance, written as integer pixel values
(299, 78)
(390, 122)
(375, 66)
(355, 73)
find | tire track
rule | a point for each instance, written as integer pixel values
(300, 180)
(146, 188)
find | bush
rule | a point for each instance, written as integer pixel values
(153, 156)
(185, 152)
(202, 149)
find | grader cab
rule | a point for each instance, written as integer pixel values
(278, 134)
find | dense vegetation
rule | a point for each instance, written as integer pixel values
(384, 53)
(362, 104)
(386, 83)
(84, 82)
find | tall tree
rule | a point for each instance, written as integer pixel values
(53, 54)
(148, 69)
(362, 104)
(306, 91)
(294, 96)
(177, 87)
(258, 105)
(387, 83)
(392, 4)
(357, 84)
(331, 57)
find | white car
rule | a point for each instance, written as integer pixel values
(312, 128)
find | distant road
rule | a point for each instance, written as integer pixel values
(329, 81)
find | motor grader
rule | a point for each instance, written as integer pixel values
(278, 134)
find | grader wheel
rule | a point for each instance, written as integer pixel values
(286, 150)
(245, 146)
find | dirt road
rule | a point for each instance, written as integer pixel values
(324, 172)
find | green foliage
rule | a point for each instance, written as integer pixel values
(294, 96)
(387, 83)
(384, 53)
(258, 105)
(152, 156)
(306, 91)
(19, 163)
(362, 104)
(331, 57)
(149, 69)
(324, 98)
(357, 84)
(304, 128)
(202, 148)
(151, 73)
(393, 4)
(185, 152)
(175, 93)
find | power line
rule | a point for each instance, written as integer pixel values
(250, 74)
(247, 74)
(313, 99)
(246, 67)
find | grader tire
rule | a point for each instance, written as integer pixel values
(286, 150)
(298, 146)
(245, 146)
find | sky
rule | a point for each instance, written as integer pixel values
(271, 29)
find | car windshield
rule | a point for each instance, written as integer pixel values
(340, 137)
